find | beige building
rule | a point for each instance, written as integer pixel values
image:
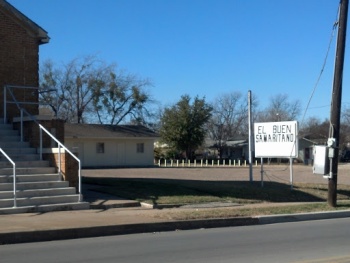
(111, 145)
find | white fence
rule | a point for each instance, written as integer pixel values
(202, 163)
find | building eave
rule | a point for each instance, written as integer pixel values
(38, 31)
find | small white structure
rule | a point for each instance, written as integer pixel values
(111, 145)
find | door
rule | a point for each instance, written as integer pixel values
(121, 158)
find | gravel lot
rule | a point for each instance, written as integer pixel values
(276, 173)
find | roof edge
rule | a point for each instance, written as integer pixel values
(41, 33)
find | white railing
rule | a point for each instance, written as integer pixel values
(18, 103)
(59, 156)
(14, 101)
(14, 177)
(60, 145)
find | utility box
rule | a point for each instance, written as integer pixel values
(321, 160)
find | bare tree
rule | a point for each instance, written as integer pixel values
(229, 119)
(314, 128)
(318, 130)
(280, 108)
(74, 83)
(345, 128)
(123, 95)
(89, 90)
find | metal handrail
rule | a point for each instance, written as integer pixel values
(48, 133)
(14, 177)
(7, 87)
(66, 149)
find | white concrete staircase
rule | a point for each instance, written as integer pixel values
(39, 188)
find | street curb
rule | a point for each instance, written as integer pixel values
(284, 218)
(99, 231)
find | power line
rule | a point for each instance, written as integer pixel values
(335, 25)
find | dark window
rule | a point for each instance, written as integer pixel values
(140, 148)
(100, 147)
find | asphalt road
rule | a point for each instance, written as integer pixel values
(311, 241)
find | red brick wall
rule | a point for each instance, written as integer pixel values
(31, 132)
(19, 61)
(69, 167)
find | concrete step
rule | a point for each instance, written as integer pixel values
(8, 132)
(20, 150)
(34, 185)
(22, 164)
(5, 126)
(38, 186)
(21, 157)
(38, 192)
(45, 208)
(25, 178)
(10, 138)
(40, 200)
(18, 144)
(28, 170)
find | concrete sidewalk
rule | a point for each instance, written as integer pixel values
(115, 216)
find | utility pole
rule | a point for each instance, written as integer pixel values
(250, 141)
(336, 102)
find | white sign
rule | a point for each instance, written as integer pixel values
(276, 139)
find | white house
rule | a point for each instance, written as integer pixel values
(111, 145)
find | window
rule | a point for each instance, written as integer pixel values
(140, 147)
(100, 147)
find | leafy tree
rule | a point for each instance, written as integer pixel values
(183, 124)
(89, 90)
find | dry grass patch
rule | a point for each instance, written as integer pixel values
(182, 192)
(244, 211)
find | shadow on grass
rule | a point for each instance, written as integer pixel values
(343, 206)
(170, 191)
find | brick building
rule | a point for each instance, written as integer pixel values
(20, 39)
(44, 179)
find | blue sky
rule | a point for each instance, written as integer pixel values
(202, 47)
